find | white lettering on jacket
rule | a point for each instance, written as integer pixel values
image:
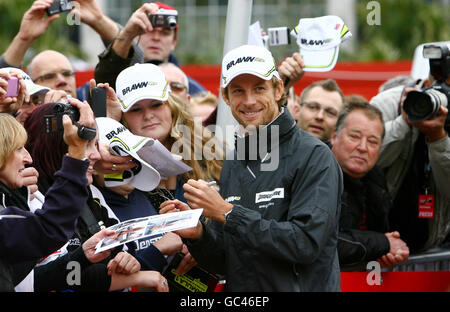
(269, 195)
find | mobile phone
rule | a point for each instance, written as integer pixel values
(98, 101)
(13, 87)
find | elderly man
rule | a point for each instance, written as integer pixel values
(363, 226)
(271, 228)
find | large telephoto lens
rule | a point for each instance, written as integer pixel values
(423, 105)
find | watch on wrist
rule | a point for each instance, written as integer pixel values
(226, 214)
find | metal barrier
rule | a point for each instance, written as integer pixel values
(435, 259)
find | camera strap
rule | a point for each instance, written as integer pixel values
(85, 132)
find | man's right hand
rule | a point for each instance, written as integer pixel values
(136, 25)
(111, 164)
(35, 21)
(77, 145)
(176, 205)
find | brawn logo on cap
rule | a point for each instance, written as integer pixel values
(248, 59)
(138, 85)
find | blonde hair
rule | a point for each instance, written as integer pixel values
(207, 98)
(12, 137)
(209, 166)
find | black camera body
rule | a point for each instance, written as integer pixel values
(425, 104)
(54, 123)
(164, 18)
(59, 6)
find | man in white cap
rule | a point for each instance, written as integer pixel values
(276, 229)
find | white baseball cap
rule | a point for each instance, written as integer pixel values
(319, 39)
(124, 143)
(141, 82)
(248, 59)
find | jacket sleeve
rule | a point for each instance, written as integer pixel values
(208, 250)
(53, 275)
(396, 128)
(439, 154)
(355, 246)
(110, 65)
(3, 62)
(312, 217)
(49, 228)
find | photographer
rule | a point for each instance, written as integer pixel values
(416, 159)
(141, 42)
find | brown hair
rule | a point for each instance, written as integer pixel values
(209, 166)
(329, 85)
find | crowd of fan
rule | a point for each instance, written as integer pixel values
(387, 161)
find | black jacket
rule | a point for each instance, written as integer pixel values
(282, 232)
(364, 220)
(40, 233)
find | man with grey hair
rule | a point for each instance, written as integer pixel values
(363, 227)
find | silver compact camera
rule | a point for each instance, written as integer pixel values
(164, 18)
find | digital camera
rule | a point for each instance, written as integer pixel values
(60, 6)
(425, 104)
(164, 18)
(53, 123)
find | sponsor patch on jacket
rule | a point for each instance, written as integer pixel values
(232, 198)
(269, 195)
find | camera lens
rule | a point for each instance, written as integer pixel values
(172, 21)
(423, 105)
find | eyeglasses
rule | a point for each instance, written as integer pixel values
(52, 75)
(315, 107)
(177, 87)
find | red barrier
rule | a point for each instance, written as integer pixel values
(419, 281)
(353, 78)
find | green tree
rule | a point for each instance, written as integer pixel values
(404, 25)
(56, 38)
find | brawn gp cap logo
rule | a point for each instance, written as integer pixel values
(138, 85)
(244, 59)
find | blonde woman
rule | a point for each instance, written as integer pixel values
(145, 105)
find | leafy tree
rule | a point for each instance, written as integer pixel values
(57, 37)
(404, 25)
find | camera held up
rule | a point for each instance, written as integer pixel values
(59, 6)
(425, 104)
(164, 18)
(53, 123)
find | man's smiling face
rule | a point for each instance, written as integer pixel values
(252, 100)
